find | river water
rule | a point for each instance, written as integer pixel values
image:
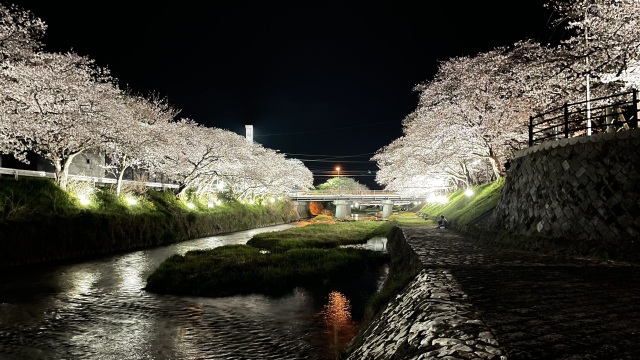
(98, 310)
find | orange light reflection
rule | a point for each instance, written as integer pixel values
(339, 326)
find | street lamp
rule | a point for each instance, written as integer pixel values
(338, 170)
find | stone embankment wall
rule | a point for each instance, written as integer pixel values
(432, 318)
(582, 192)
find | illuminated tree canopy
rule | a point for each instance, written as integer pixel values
(342, 183)
(61, 105)
(470, 117)
(474, 113)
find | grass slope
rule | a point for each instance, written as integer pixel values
(462, 210)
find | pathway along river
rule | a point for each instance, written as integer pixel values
(98, 310)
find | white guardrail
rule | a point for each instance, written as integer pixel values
(96, 180)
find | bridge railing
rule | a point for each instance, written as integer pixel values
(376, 196)
(343, 192)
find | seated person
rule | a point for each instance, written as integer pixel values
(443, 223)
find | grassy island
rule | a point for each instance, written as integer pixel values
(273, 263)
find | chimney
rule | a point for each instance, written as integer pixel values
(249, 132)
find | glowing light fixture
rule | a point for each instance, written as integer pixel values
(131, 201)
(468, 192)
(437, 199)
(191, 205)
(84, 200)
(272, 200)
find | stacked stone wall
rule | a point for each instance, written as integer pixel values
(432, 318)
(582, 192)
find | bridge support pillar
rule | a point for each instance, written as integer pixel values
(343, 209)
(302, 208)
(360, 206)
(387, 209)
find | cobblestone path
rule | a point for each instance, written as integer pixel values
(540, 307)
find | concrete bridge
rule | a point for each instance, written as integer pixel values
(345, 199)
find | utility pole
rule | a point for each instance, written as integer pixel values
(586, 42)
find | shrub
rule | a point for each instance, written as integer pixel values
(315, 208)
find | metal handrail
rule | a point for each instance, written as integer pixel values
(94, 179)
(608, 114)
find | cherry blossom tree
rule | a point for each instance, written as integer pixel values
(60, 105)
(203, 158)
(629, 78)
(473, 114)
(414, 166)
(471, 110)
(269, 173)
(604, 40)
(20, 33)
(57, 106)
(141, 121)
(540, 74)
(189, 153)
(471, 117)
(342, 183)
(196, 156)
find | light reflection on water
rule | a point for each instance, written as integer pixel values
(99, 310)
(378, 243)
(339, 327)
(129, 269)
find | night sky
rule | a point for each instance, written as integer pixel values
(327, 82)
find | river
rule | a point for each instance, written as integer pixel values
(98, 310)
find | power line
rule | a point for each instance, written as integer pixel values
(342, 161)
(335, 156)
(333, 129)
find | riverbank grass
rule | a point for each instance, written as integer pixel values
(272, 263)
(43, 224)
(462, 209)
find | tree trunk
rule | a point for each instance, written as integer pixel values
(495, 165)
(121, 171)
(62, 170)
(465, 171)
(119, 181)
(59, 174)
(182, 190)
